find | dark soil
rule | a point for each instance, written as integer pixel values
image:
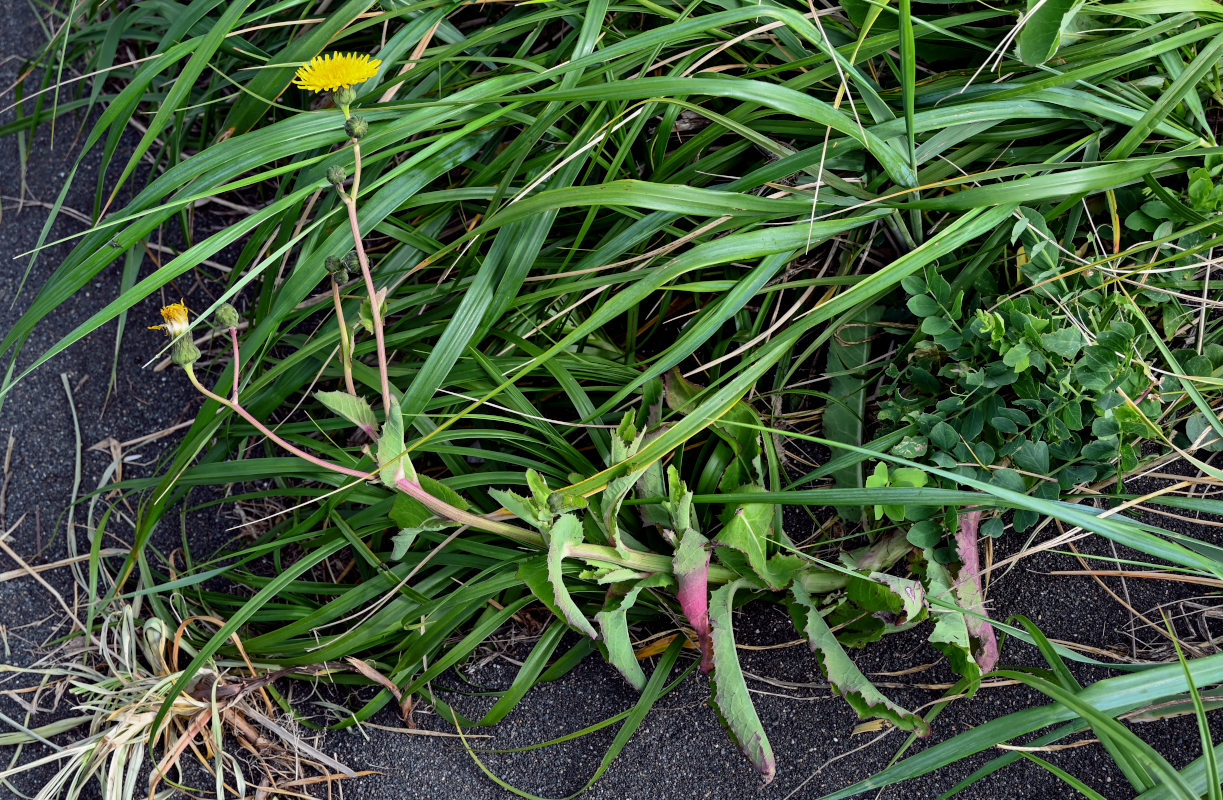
(680, 750)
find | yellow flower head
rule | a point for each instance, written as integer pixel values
(335, 71)
(175, 316)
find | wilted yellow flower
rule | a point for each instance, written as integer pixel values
(335, 71)
(175, 316)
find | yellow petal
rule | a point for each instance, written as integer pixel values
(332, 71)
(176, 321)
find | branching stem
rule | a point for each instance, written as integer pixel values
(443, 509)
(237, 408)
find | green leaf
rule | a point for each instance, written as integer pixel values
(950, 634)
(843, 675)
(843, 420)
(1097, 368)
(939, 287)
(517, 505)
(625, 444)
(613, 625)
(911, 593)
(748, 530)
(730, 695)
(678, 505)
(408, 512)
(1101, 450)
(944, 436)
(879, 479)
(925, 535)
(1038, 40)
(1202, 434)
(923, 306)
(1004, 425)
(1039, 242)
(402, 542)
(354, 409)
(908, 476)
(540, 490)
(1017, 357)
(911, 447)
(1066, 342)
(935, 326)
(392, 455)
(565, 532)
(1033, 457)
(1008, 479)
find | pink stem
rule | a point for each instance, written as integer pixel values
(259, 426)
(350, 201)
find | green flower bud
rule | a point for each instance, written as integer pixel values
(337, 268)
(336, 175)
(227, 316)
(185, 352)
(351, 262)
(344, 96)
(356, 127)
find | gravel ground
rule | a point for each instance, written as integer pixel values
(680, 750)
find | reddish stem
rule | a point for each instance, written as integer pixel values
(266, 431)
(350, 201)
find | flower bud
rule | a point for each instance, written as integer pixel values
(337, 268)
(356, 127)
(344, 96)
(336, 175)
(185, 352)
(227, 316)
(351, 262)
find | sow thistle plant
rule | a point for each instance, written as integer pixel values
(560, 305)
(668, 553)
